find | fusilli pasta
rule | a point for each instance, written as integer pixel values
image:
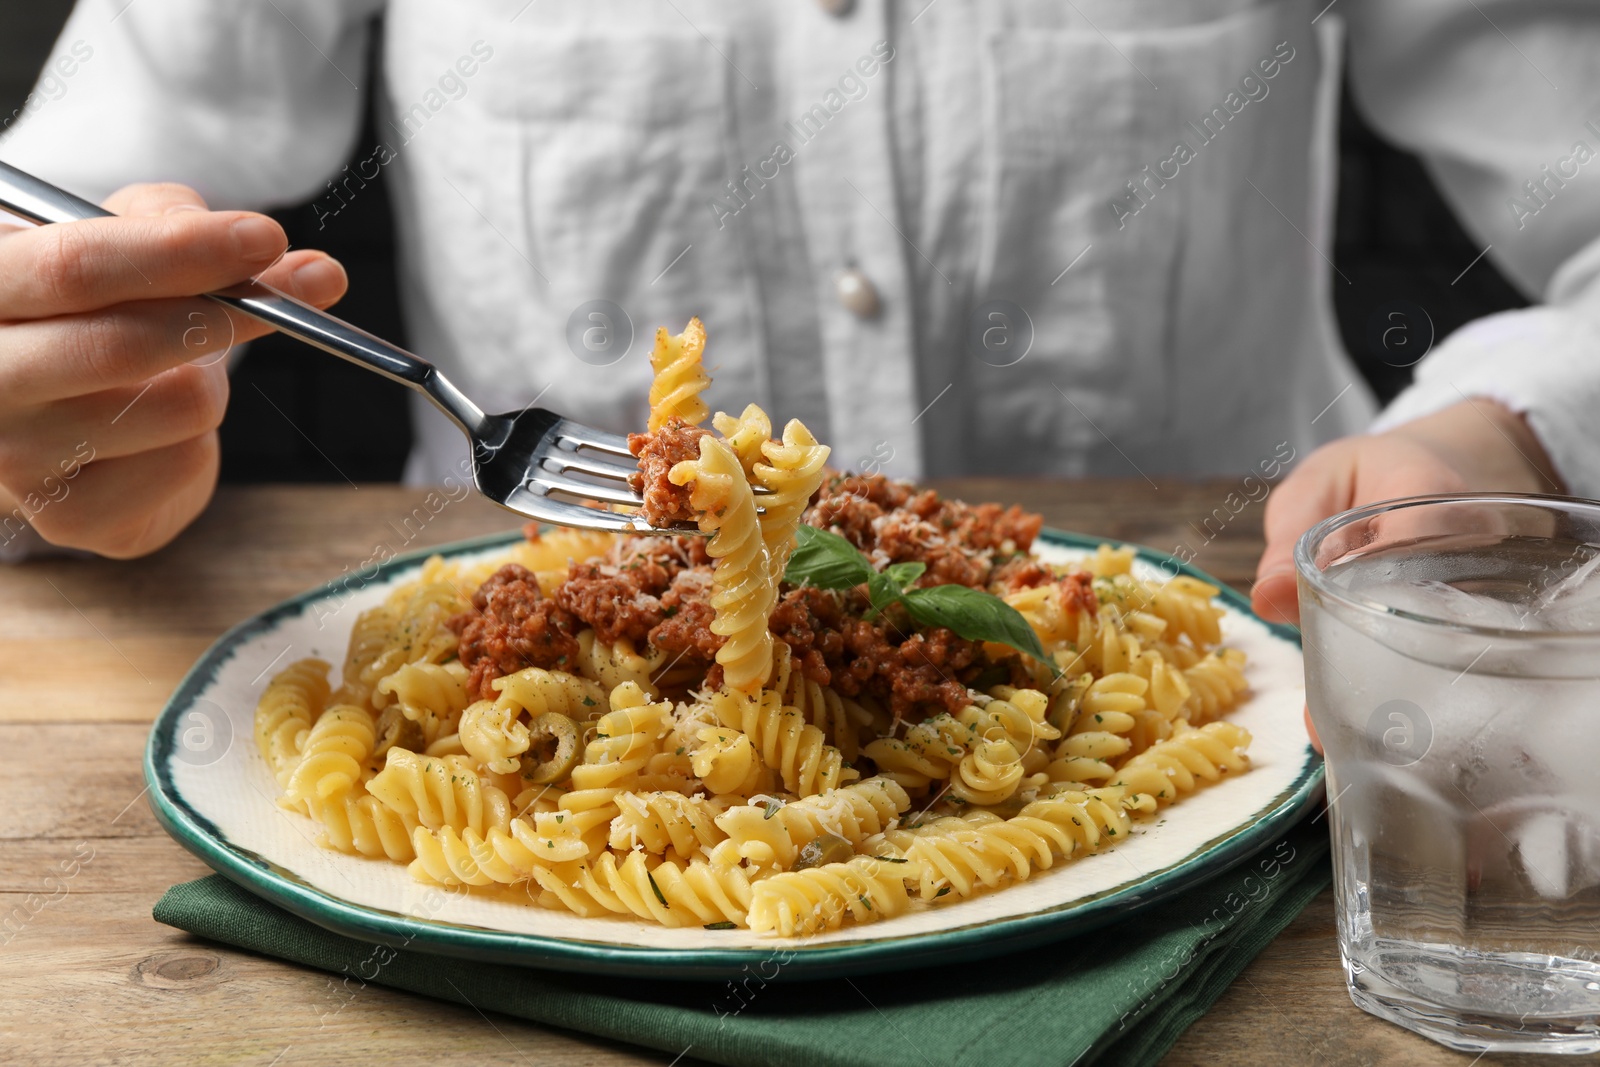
(432, 695)
(866, 889)
(624, 740)
(435, 792)
(1179, 765)
(661, 820)
(680, 377)
(283, 717)
(745, 590)
(672, 894)
(792, 747)
(790, 471)
(772, 833)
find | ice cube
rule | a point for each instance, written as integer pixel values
(1573, 603)
(1441, 600)
(1541, 843)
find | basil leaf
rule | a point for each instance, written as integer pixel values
(882, 591)
(826, 560)
(974, 615)
(904, 574)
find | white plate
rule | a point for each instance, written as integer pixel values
(215, 794)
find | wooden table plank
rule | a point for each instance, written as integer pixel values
(89, 651)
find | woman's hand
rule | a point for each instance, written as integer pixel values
(1476, 445)
(113, 368)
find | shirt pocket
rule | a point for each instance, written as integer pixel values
(578, 172)
(1084, 235)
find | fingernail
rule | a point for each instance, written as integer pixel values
(259, 239)
(319, 276)
(175, 208)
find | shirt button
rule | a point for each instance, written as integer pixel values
(837, 8)
(858, 295)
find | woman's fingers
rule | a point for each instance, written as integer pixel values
(73, 267)
(1276, 597)
(154, 198)
(131, 506)
(1319, 488)
(121, 347)
(1311, 728)
(1345, 474)
(175, 405)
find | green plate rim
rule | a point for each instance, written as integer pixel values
(974, 941)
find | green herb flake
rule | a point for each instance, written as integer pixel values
(656, 889)
(941, 892)
(720, 926)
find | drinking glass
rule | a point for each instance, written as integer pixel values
(1452, 650)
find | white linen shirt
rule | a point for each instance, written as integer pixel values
(959, 237)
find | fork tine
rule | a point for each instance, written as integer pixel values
(562, 461)
(575, 435)
(545, 484)
(532, 505)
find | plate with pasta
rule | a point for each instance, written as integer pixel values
(839, 722)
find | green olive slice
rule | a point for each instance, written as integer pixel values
(394, 730)
(552, 749)
(823, 850)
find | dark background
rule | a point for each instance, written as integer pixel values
(1396, 241)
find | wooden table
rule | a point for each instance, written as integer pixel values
(90, 650)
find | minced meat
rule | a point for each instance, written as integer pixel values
(513, 626)
(907, 672)
(659, 452)
(656, 593)
(891, 522)
(1020, 572)
(683, 631)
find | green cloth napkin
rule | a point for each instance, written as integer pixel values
(1118, 995)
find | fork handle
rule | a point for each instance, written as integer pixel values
(38, 201)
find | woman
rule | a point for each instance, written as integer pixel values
(954, 237)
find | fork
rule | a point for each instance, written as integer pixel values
(532, 462)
